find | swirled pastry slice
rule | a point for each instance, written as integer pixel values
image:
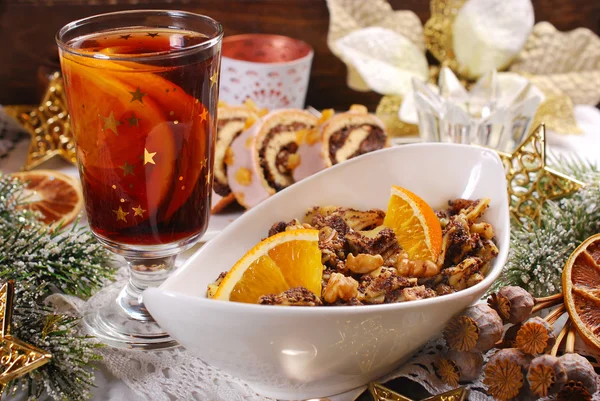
(231, 123)
(352, 134)
(264, 156)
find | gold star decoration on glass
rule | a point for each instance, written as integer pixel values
(18, 357)
(110, 123)
(125, 36)
(530, 181)
(382, 393)
(203, 163)
(152, 35)
(127, 169)
(148, 157)
(138, 211)
(48, 125)
(133, 120)
(121, 214)
(214, 78)
(203, 115)
(137, 95)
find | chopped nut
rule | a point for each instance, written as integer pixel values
(483, 229)
(340, 286)
(363, 263)
(212, 288)
(415, 268)
(298, 296)
(459, 275)
(414, 293)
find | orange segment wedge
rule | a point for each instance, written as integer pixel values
(278, 263)
(55, 195)
(415, 223)
(581, 288)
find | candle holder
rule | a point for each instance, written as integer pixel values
(496, 112)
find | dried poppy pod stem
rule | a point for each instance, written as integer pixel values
(477, 329)
(536, 336)
(515, 305)
(505, 372)
(561, 336)
(581, 377)
(458, 366)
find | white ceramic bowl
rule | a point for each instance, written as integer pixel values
(307, 352)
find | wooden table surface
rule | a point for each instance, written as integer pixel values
(27, 29)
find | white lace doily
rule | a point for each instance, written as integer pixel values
(177, 375)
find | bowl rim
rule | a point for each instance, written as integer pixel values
(300, 311)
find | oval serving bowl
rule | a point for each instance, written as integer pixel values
(309, 352)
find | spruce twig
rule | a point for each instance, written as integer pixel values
(537, 256)
(43, 260)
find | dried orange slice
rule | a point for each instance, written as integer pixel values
(278, 263)
(55, 195)
(581, 289)
(415, 223)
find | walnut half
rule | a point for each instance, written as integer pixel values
(340, 287)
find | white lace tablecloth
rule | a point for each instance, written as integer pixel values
(176, 375)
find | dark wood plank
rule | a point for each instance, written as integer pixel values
(27, 29)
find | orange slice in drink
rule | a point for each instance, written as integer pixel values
(188, 122)
(581, 289)
(117, 125)
(278, 263)
(55, 195)
(415, 223)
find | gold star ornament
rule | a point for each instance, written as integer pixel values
(148, 157)
(17, 358)
(382, 393)
(214, 78)
(48, 124)
(530, 181)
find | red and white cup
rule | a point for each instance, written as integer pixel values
(271, 70)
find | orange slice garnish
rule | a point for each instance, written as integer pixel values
(581, 289)
(415, 223)
(278, 263)
(55, 195)
(114, 124)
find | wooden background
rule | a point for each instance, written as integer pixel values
(27, 29)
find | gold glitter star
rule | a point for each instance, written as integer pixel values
(138, 211)
(203, 115)
(148, 157)
(48, 124)
(208, 176)
(127, 169)
(152, 35)
(111, 123)
(382, 393)
(530, 181)
(133, 120)
(214, 78)
(137, 95)
(125, 36)
(18, 357)
(121, 214)
(203, 163)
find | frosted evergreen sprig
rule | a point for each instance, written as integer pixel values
(43, 260)
(537, 255)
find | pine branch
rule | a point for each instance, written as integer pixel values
(537, 256)
(42, 260)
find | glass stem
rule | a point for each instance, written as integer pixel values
(143, 273)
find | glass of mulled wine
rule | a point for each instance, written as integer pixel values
(142, 89)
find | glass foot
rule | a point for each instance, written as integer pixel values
(104, 317)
